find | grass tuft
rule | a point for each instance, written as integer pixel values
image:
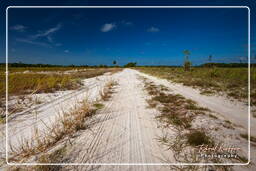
(197, 137)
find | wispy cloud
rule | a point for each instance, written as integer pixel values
(126, 23)
(153, 29)
(19, 28)
(108, 27)
(33, 42)
(47, 32)
(35, 39)
(66, 51)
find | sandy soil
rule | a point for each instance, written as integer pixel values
(125, 130)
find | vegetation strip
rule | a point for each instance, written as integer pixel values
(233, 82)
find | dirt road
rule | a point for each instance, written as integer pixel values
(126, 131)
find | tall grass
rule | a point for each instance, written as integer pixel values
(231, 81)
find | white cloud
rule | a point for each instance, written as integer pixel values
(47, 32)
(153, 29)
(108, 27)
(19, 28)
(66, 51)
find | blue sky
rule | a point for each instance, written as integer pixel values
(146, 36)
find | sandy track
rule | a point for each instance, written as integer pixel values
(126, 131)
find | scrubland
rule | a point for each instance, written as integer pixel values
(232, 82)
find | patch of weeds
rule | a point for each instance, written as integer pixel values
(55, 157)
(213, 116)
(107, 91)
(242, 159)
(207, 92)
(2, 119)
(151, 103)
(254, 113)
(245, 136)
(196, 138)
(98, 106)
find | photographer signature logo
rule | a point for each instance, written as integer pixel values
(218, 151)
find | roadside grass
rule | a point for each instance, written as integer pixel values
(245, 136)
(26, 83)
(54, 157)
(107, 90)
(178, 113)
(198, 137)
(231, 81)
(66, 124)
(175, 110)
(98, 105)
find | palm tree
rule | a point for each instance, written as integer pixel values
(186, 53)
(114, 62)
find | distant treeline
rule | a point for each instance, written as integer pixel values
(230, 65)
(50, 65)
(131, 64)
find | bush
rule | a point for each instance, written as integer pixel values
(196, 138)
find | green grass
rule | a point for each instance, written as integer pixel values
(231, 81)
(98, 105)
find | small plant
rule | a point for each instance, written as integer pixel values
(98, 105)
(197, 137)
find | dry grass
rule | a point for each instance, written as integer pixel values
(65, 125)
(231, 81)
(25, 83)
(198, 137)
(175, 109)
(107, 90)
(245, 136)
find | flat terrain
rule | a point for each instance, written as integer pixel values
(125, 128)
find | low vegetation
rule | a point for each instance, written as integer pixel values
(65, 125)
(107, 90)
(197, 137)
(31, 82)
(231, 81)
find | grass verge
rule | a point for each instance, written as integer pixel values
(231, 81)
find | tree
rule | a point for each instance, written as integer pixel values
(210, 58)
(114, 62)
(186, 53)
(187, 63)
(131, 64)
